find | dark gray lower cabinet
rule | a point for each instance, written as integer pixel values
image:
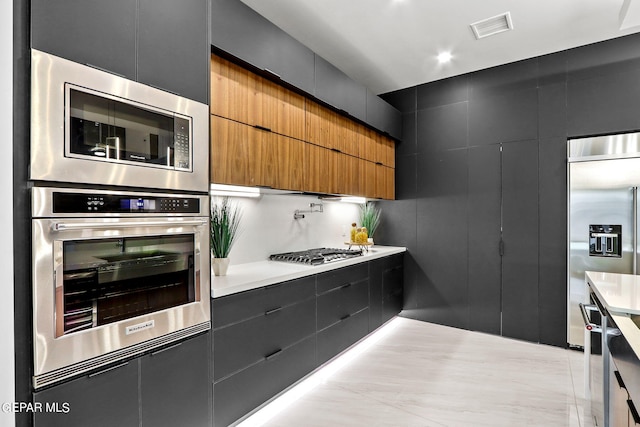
(386, 289)
(169, 387)
(175, 385)
(244, 391)
(341, 335)
(103, 399)
(263, 341)
(266, 339)
(392, 287)
(343, 309)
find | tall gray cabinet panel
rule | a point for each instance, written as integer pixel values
(338, 90)
(484, 203)
(520, 235)
(95, 32)
(173, 46)
(162, 43)
(245, 34)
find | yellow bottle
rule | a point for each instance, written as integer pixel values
(353, 232)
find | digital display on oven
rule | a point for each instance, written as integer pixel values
(134, 205)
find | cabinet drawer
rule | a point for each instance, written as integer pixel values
(338, 337)
(237, 346)
(342, 276)
(240, 393)
(342, 302)
(245, 305)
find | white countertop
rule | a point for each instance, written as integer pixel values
(619, 293)
(244, 277)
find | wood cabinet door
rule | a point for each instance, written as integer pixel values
(318, 170)
(282, 111)
(291, 163)
(230, 151)
(233, 91)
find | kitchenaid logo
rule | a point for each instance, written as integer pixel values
(139, 327)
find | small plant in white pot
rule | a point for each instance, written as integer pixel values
(224, 222)
(370, 218)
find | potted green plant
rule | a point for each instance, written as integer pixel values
(224, 226)
(370, 218)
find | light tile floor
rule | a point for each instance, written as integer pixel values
(421, 374)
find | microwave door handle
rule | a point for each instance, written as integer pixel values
(64, 226)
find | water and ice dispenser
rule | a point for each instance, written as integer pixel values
(605, 240)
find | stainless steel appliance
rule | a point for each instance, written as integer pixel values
(92, 127)
(604, 175)
(316, 256)
(599, 329)
(115, 274)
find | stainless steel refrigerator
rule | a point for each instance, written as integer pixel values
(604, 176)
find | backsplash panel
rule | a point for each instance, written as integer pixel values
(268, 226)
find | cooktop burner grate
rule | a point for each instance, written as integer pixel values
(316, 256)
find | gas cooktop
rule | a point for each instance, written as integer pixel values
(316, 256)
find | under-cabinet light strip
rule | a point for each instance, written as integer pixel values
(234, 191)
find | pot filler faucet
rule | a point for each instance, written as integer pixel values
(313, 207)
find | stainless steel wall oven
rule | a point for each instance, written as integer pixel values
(115, 274)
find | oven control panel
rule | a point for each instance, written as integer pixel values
(69, 203)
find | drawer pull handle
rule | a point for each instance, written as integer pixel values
(345, 317)
(345, 286)
(619, 379)
(336, 150)
(266, 129)
(272, 355)
(633, 411)
(104, 371)
(273, 310)
(379, 164)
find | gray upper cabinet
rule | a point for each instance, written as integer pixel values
(239, 30)
(382, 116)
(242, 32)
(162, 43)
(338, 90)
(173, 47)
(93, 32)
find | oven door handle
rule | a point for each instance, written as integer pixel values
(65, 226)
(589, 326)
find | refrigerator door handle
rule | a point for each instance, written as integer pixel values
(634, 252)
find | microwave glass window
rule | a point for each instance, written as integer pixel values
(113, 279)
(108, 129)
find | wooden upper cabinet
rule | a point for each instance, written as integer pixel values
(329, 129)
(377, 148)
(231, 152)
(263, 134)
(244, 155)
(243, 96)
(281, 111)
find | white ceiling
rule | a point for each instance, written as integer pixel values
(393, 44)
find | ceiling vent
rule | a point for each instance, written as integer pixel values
(489, 27)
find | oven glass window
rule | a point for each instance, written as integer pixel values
(113, 279)
(104, 128)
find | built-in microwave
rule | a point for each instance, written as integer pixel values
(92, 127)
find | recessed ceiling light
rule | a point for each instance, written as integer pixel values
(444, 57)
